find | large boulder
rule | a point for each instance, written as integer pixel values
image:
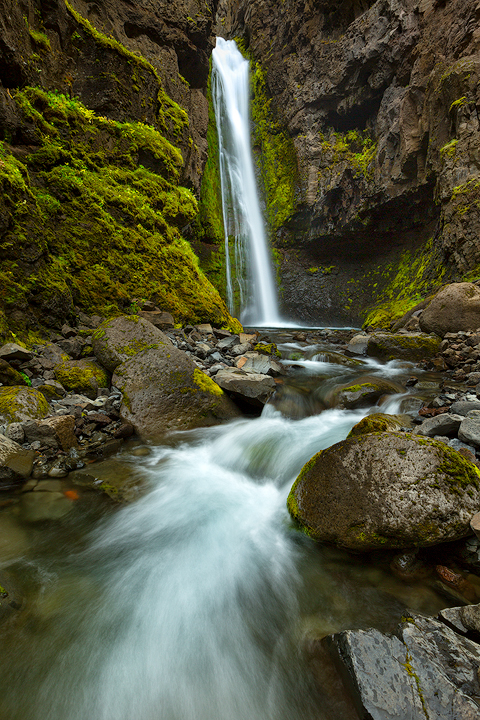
(164, 390)
(118, 340)
(455, 307)
(386, 490)
(380, 422)
(82, 376)
(10, 376)
(362, 392)
(16, 463)
(22, 403)
(407, 346)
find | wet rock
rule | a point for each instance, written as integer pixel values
(358, 345)
(380, 422)
(164, 390)
(22, 403)
(12, 351)
(475, 524)
(409, 567)
(48, 486)
(363, 392)
(469, 430)
(13, 539)
(408, 346)
(16, 463)
(455, 307)
(82, 376)
(117, 341)
(463, 407)
(241, 348)
(253, 388)
(11, 599)
(227, 342)
(457, 582)
(261, 364)
(40, 506)
(51, 390)
(15, 432)
(444, 424)
(10, 376)
(386, 490)
(73, 346)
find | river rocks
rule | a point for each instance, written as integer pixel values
(120, 339)
(82, 376)
(15, 462)
(407, 346)
(21, 403)
(10, 376)
(164, 390)
(386, 490)
(469, 430)
(363, 392)
(379, 422)
(444, 424)
(39, 506)
(455, 307)
(60, 430)
(257, 363)
(424, 670)
(161, 320)
(253, 388)
(12, 351)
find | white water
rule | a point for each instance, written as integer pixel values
(242, 215)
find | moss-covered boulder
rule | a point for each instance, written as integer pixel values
(164, 390)
(406, 346)
(82, 376)
(10, 376)
(455, 307)
(380, 422)
(123, 337)
(364, 391)
(267, 349)
(386, 490)
(22, 403)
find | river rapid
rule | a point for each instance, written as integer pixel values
(201, 600)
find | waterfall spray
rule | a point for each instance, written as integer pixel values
(242, 216)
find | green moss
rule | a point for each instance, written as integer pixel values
(17, 401)
(38, 37)
(375, 423)
(450, 148)
(3, 592)
(461, 474)
(81, 378)
(107, 228)
(267, 349)
(353, 148)
(206, 383)
(411, 278)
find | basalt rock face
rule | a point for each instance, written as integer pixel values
(103, 124)
(381, 101)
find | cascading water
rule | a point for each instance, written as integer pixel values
(242, 215)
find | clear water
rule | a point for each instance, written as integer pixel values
(252, 280)
(200, 601)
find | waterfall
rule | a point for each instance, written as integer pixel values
(243, 221)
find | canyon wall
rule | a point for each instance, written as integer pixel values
(380, 100)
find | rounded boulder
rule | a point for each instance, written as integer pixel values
(455, 307)
(386, 490)
(120, 339)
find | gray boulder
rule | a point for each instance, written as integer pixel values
(362, 392)
(253, 388)
(386, 490)
(16, 463)
(444, 424)
(12, 351)
(164, 390)
(256, 362)
(118, 340)
(455, 307)
(407, 346)
(469, 430)
(22, 403)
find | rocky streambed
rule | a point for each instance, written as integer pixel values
(90, 419)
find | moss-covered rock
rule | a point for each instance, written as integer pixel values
(10, 376)
(267, 349)
(408, 346)
(82, 376)
(22, 403)
(121, 338)
(380, 422)
(164, 390)
(386, 490)
(365, 391)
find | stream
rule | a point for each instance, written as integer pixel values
(201, 600)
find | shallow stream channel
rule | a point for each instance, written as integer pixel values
(201, 600)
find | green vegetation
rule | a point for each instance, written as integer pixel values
(83, 376)
(92, 225)
(267, 349)
(409, 282)
(450, 148)
(38, 37)
(354, 148)
(18, 403)
(205, 383)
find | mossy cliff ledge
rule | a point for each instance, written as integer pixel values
(378, 101)
(386, 490)
(102, 146)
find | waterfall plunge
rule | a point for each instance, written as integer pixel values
(241, 208)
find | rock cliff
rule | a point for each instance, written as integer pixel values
(103, 124)
(381, 102)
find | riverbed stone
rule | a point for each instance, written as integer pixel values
(358, 344)
(469, 430)
(257, 363)
(444, 424)
(463, 407)
(386, 490)
(16, 463)
(406, 346)
(158, 318)
(380, 422)
(455, 307)
(164, 390)
(10, 376)
(40, 506)
(12, 351)
(22, 403)
(59, 428)
(118, 340)
(362, 392)
(253, 388)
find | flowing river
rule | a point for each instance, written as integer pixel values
(200, 601)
